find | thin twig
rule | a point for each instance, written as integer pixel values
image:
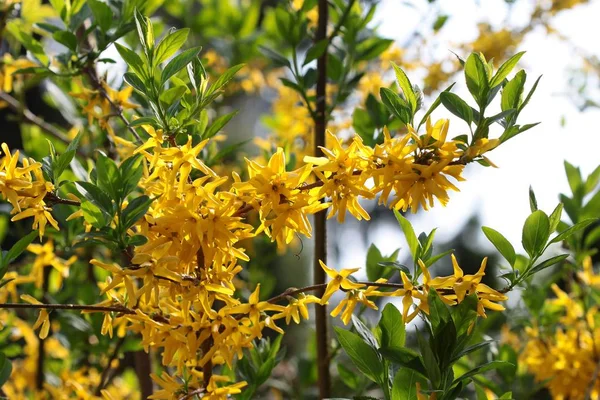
(118, 109)
(82, 307)
(52, 199)
(191, 394)
(20, 109)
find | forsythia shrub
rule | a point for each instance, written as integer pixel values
(143, 225)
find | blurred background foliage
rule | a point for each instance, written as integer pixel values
(272, 113)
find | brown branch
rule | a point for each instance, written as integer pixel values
(191, 394)
(52, 199)
(320, 252)
(118, 109)
(81, 307)
(30, 117)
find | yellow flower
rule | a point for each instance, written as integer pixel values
(41, 216)
(411, 292)
(341, 173)
(338, 280)
(297, 308)
(254, 307)
(43, 319)
(353, 297)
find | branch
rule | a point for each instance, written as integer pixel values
(30, 117)
(81, 307)
(320, 251)
(191, 394)
(52, 199)
(118, 110)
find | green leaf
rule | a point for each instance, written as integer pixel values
(5, 369)
(404, 357)
(377, 265)
(406, 87)
(62, 162)
(16, 250)
(432, 260)
(513, 91)
(393, 331)
(440, 22)
(102, 14)
(476, 77)
(409, 234)
(574, 178)
(501, 243)
(530, 93)
(134, 81)
(131, 59)
(555, 217)
(131, 171)
(95, 195)
(457, 106)
(405, 384)
(505, 69)
(225, 78)
(362, 355)
(573, 229)
(31, 44)
(178, 62)
(170, 44)
(547, 263)
(135, 210)
(481, 369)
(143, 26)
(349, 377)
(218, 124)
(364, 332)
(470, 350)
(438, 311)
(532, 200)
(108, 176)
(67, 39)
(592, 180)
(433, 106)
(316, 51)
(396, 105)
(535, 233)
(430, 362)
(277, 59)
(464, 314)
(93, 215)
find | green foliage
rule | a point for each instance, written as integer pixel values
(257, 365)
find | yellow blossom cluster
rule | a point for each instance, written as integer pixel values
(68, 383)
(99, 103)
(452, 290)
(26, 189)
(178, 290)
(566, 358)
(9, 67)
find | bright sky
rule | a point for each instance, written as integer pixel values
(534, 158)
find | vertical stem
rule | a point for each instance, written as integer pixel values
(143, 369)
(207, 369)
(324, 378)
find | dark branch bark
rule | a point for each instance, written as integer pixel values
(324, 378)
